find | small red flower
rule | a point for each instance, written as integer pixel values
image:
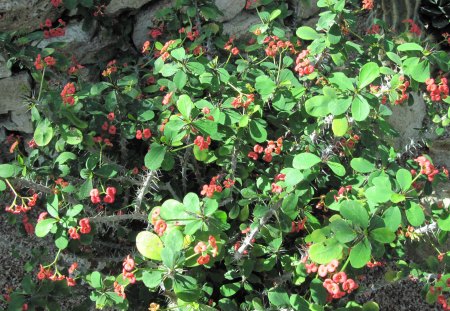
(73, 234)
(147, 133)
(85, 226)
(203, 260)
(128, 264)
(111, 116)
(160, 227)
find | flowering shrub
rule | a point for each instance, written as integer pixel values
(245, 175)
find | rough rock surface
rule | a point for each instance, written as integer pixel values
(14, 91)
(145, 21)
(4, 71)
(439, 152)
(86, 47)
(407, 120)
(229, 9)
(25, 14)
(239, 25)
(116, 6)
(307, 9)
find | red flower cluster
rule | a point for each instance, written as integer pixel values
(437, 92)
(29, 228)
(303, 65)
(274, 45)
(367, 4)
(239, 101)
(160, 227)
(167, 98)
(208, 190)
(67, 94)
(110, 68)
(85, 228)
(164, 50)
(375, 29)
(426, 167)
(229, 47)
(413, 27)
(50, 32)
(202, 143)
(440, 298)
(402, 87)
(39, 63)
(119, 290)
(146, 133)
(341, 192)
(271, 147)
(27, 204)
(128, 266)
(46, 273)
(191, 34)
(374, 264)
(201, 248)
(112, 129)
(56, 3)
(109, 197)
(156, 32)
(298, 226)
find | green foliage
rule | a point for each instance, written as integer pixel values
(219, 169)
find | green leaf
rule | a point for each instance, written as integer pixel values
(326, 251)
(95, 278)
(421, 71)
(369, 72)
(43, 133)
(339, 106)
(258, 131)
(186, 288)
(44, 226)
(444, 222)
(70, 4)
(8, 170)
(343, 231)
(149, 245)
(179, 53)
(279, 297)
(395, 58)
(341, 81)
(360, 254)
(264, 86)
(355, 212)
(207, 127)
(274, 14)
(98, 88)
(370, 306)
(339, 126)
(185, 105)
(318, 292)
(305, 161)
(152, 279)
(404, 179)
(192, 203)
(392, 218)
(409, 46)
(74, 211)
(337, 168)
(52, 205)
(307, 33)
(317, 106)
(2, 185)
(230, 289)
(362, 165)
(155, 156)
(414, 214)
(382, 235)
(360, 108)
(180, 79)
(85, 189)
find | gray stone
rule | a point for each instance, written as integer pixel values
(14, 91)
(87, 46)
(307, 9)
(146, 20)
(25, 14)
(407, 120)
(440, 152)
(238, 26)
(229, 9)
(117, 6)
(4, 70)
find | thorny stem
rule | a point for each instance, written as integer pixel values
(42, 84)
(112, 218)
